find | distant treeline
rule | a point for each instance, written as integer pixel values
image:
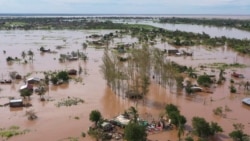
(144, 33)
(236, 23)
(57, 23)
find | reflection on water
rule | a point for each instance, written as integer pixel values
(94, 92)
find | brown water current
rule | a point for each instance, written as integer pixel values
(59, 123)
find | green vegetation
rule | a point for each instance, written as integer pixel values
(203, 129)
(232, 89)
(11, 131)
(224, 66)
(26, 93)
(204, 80)
(218, 111)
(177, 119)
(236, 23)
(238, 134)
(144, 33)
(59, 77)
(95, 116)
(135, 132)
(69, 101)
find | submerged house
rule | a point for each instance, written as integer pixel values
(246, 101)
(26, 86)
(33, 80)
(72, 72)
(122, 120)
(16, 103)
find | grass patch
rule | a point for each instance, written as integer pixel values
(69, 101)
(11, 131)
(227, 66)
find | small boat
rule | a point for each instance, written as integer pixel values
(246, 101)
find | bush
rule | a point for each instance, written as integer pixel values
(135, 132)
(204, 80)
(232, 89)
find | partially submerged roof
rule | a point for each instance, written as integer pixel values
(122, 120)
(34, 79)
(26, 86)
(246, 101)
(16, 100)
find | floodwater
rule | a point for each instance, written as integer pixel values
(212, 31)
(59, 123)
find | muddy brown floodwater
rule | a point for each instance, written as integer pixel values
(59, 123)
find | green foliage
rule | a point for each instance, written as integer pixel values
(54, 79)
(174, 114)
(133, 113)
(95, 116)
(232, 89)
(171, 108)
(215, 128)
(203, 129)
(11, 131)
(218, 111)
(204, 80)
(26, 93)
(189, 139)
(238, 134)
(135, 132)
(62, 75)
(69, 101)
(97, 133)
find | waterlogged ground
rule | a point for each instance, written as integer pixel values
(61, 123)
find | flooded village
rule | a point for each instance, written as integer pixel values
(73, 79)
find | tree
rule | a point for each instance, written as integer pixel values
(215, 128)
(23, 54)
(31, 54)
(178, 120)
(63, 75)
(134, 113)
(135, 132)
(41, 91)
(26, 93)
(201, 127)
(204, 80)
(95, 116)
(171, 108)
(204, 129)
(189, 139)
(238, 134)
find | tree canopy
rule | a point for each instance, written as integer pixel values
(95, 116)
(203, 129)
(135, 132)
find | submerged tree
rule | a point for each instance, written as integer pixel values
(203, 129)
(31, 54)
(26, 93)
(238, 134)
(135, 132)
(95, 116)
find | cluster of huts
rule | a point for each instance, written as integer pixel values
(113, 127)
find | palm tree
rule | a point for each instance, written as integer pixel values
(181, 130)
(134, 113)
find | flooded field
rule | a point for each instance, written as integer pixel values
(60, 123)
